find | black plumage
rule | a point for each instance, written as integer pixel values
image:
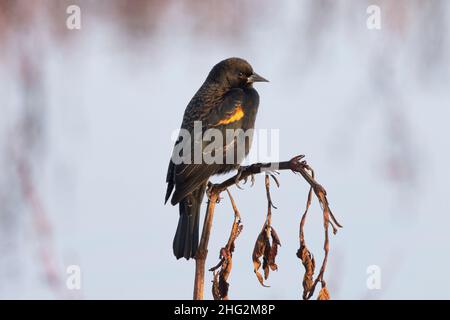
(226, 100)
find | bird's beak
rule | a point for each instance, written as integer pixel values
(256, 78)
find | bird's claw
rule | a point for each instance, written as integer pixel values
(236, 182)
(209, 191)
(238, 177)
(274, 177)
(252, 179)
(209, 187)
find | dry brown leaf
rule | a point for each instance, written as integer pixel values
(215, 286)
(258, 252)
(274, 249)
(267, 250)
(324, 294)
(309, 264)
(220, 283)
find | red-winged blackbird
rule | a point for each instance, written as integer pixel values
(226, 100)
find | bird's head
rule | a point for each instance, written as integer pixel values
(235, 73)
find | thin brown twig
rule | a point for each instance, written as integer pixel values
(303, 253)
(326, 246)
(269, 204)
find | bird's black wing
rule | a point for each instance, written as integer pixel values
(187, 177)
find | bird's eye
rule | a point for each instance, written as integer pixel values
(241, 74)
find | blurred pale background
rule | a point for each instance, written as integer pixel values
(85, 137)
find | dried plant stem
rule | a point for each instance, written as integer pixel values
(266, 246)
(237, 215)
(202, 251)
(326, 246)
(269, 198)
(222, 270)
(296, 164)
(303, 253)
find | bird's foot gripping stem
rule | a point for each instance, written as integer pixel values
(212, 193)
(248, 173)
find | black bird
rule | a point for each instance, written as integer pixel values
(226, 100)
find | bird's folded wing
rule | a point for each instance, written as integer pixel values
(230, 111)
(188, 177)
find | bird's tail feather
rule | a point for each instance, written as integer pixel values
(185, 242)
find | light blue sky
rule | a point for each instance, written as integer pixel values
(369, 109)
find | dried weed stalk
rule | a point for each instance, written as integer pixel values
(220, 283)
(266, 246)
(307, 258)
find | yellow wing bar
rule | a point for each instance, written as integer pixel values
(237, 114)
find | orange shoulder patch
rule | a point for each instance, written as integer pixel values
(235, 116)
